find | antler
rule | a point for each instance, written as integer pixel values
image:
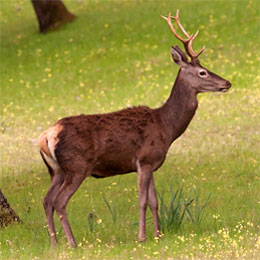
(186, 42)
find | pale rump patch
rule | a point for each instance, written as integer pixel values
(51, 162)
(48, 140)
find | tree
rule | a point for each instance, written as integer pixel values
(7, 214)
(51, 14)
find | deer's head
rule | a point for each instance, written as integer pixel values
(191, 73)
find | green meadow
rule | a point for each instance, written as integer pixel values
(117, 54)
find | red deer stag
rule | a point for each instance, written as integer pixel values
(134, 139)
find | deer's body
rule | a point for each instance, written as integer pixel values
(113, 143)
(131, 140)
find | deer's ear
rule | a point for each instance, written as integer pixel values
(177, 57)
(183, 54)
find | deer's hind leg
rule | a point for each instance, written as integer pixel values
(57, 178)
(71, 183)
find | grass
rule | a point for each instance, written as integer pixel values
(172, 216)
(117, 54)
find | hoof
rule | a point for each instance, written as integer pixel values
(72, 245)
(141, 239)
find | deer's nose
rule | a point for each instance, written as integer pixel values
(228, 84)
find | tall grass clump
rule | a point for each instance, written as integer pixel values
(197, 211)
(178, 209)
(112, 209)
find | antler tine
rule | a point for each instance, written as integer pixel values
(168, 19)
(190, 38)
(193, 55)
(176, 18)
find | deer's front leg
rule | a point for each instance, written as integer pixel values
(144, 178)
(153, 204)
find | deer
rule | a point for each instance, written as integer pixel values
(135, 139)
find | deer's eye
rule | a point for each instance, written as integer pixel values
(203, 73)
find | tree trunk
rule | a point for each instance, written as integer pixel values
(7, 214)
(51, 14)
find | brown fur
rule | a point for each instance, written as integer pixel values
(111, 142)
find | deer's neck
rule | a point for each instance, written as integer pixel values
(179, 109)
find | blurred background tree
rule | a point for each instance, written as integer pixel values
(51, 14)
